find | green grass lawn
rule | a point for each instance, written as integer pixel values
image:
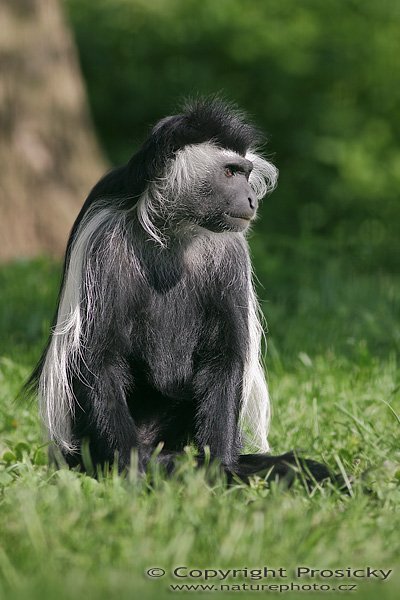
(335, 388)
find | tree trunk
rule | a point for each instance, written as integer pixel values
(49, 157)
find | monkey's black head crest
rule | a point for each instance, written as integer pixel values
(217, 120)
(202, 120)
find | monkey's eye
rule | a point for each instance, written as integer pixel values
(229, 171)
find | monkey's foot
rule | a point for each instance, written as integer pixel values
(286, 468)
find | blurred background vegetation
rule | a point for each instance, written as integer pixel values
(322, 79)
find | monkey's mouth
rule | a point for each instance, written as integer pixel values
(240, 217)
(237, 222)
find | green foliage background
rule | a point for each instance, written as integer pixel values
(321, 78)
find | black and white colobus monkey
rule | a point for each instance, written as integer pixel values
(157, 336)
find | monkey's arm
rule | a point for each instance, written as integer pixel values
(218, 379)
(217, 389)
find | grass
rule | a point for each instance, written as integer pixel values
(334, 381)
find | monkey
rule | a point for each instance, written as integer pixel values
(156, 342)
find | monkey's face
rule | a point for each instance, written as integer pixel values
(228, 202)
(213, 187)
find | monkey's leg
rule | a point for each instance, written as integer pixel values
(285, 468)
(103, 423)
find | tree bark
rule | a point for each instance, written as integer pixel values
(49, 156)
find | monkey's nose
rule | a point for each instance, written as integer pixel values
(252, 201)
